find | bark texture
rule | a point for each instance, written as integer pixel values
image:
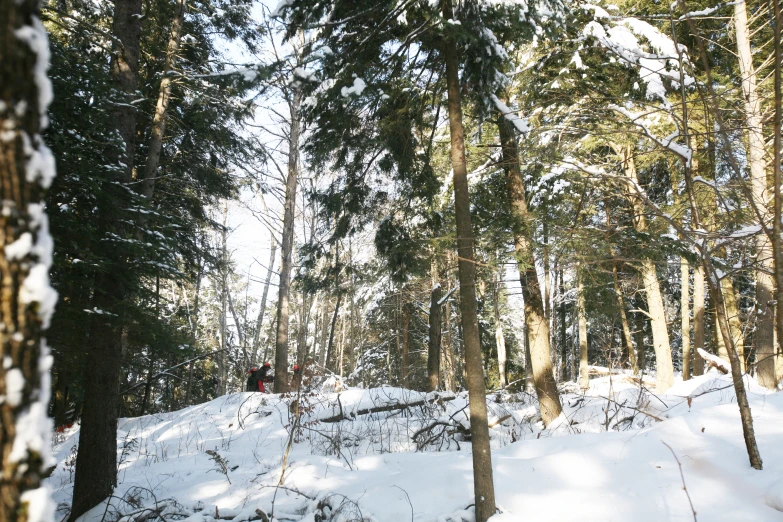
(433, 352)
(535, 318)
(25, 169)
(584, 375)
(286, 247)
(698, 319)
(685, 318)
(483, 485)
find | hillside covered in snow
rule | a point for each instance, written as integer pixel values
(390, 454)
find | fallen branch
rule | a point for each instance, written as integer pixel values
(384, 407)
(714, 361)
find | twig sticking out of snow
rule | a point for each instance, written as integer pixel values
(682, 476)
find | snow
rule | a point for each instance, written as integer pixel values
(20, 248)
(357, 88)
(605, 455)
(14, 386)
(522, 125)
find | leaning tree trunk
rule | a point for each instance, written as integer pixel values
(584, 375)
(286, 247)
(26, 170)
(535, 318)
(756, 149)
(96, 470)
(664, 374)
(264, 294)
(161, 107)
(483, 485)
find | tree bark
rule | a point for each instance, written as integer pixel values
(500, 341)
(483, 485)
(685, 318)
(535, 317)
(264, 295)
(26, 169)
(96, 470)
(756, 150)
(286, 247)
(406, 343)
(664, 375)
(698, 319)
(584, 375)
(433, 352)
(162, 105)
(449, 359)
(330, 346)
(732, 316)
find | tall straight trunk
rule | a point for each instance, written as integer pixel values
(733, 318)
(755, 154)
(618, 291)
(698, 319)
(530, 385)
(406, 343)
(324, 333)
(483, 485)
(685, 318)
(449, 362)
(433, 352)
(330, 346)
(286, 246)
(584, 375)
(26, 169)
(500, 340)
(778, 202)
(96, 470)
(563, 345)
(162, 105)
(664, 368)
(264, 295)
(535, 317)
(61, 396)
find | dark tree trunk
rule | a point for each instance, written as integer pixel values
(406, 345)
(96, 470)
(26, 169)
(483, 485)
(433, 352)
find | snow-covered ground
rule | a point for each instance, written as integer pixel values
(606, 460)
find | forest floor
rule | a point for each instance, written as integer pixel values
(606, 459)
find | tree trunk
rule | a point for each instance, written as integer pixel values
(563, 344)
(732, 315)
(96, 470)
(584, 375)
(664, 375)
(755, 152)
(286, 248)
(264, 294)
(449, 360)
(331, 330)
(406, 343)
(685, 318)
(535, 317)
(530, 385)
(483, 485)
(698, 319)
(618, 291)
(161, 107)
(26, 170)
(61, 396)
(500, 341)
(433, 352)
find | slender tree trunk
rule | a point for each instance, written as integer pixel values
(483, 485)
(530, 384)
(61, 396)
(664, 375)
(698, 319)
(685, 318)
(500, 341)
(26, 170)
(406, 343)
(324, 333)
(535, 317)
(281, 340)
(563, 344)
(96, 470)
(331, 330)
(618, 291)
(264, 295)
(732, 315)
(449, 359)
(756, 150)
(433, 352)
(584, 375)
(162, 105)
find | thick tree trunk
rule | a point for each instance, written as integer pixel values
(433, 352)
(732, 315)
(96, 470)
(584, 375)
(286, 247)
(685, 318)
(755, 153)
(26, 169)
(627, 338)
(535, 317)
(406, 343)
(483, 485)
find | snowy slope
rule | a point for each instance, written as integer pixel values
(369, 467)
